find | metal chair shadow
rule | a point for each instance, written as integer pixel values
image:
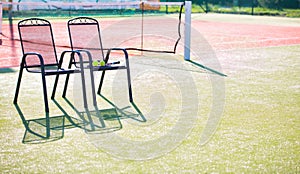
(35, 129)
(98, 121)
(124, 114)
(91, 121)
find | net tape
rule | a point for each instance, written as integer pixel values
(96, 5)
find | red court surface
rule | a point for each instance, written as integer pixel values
(220, 35)
(225, 36)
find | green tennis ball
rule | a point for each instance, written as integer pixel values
(102, 63)
(95, 63)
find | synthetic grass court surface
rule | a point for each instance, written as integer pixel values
(258, 131)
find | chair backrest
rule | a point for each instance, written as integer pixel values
(36, 36)
(84, 33)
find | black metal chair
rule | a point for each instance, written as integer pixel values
(84, 33)
(39, 56)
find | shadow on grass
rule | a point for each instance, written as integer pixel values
(6, 70)
(92, 121)
(207, 68)
(36, 129)
(106, 120)
(98, 121)
(138, 116)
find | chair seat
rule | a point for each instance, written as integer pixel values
(101, 68)
(59, 71)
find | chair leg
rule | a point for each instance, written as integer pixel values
(45, 93)
(54, 87)
(45, 98)
(129, 85)
(47, 125)
(46, 105)
(101, 82)
(83, 88)
(129, 81)
(67, 78)
(93, 85)
(66, 86)
(18, 85)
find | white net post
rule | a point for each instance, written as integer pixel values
(187, 30)
(1, 8)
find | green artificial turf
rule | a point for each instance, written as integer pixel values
(257, 130)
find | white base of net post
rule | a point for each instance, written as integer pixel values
(187, 30)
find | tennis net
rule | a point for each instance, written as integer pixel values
(152, 25)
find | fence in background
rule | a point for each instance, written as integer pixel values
(259, 7)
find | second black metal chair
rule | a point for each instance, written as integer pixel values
(84, 33)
